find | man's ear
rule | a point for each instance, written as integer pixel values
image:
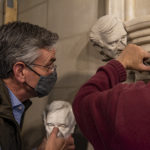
(18, 70)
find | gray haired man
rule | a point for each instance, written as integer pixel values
(27, 70)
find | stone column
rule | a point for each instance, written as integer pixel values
(116, 8)
(129, 9)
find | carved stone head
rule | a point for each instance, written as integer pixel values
(109, 34)
(59, 114)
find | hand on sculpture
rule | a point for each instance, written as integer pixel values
(54, 142)
(69, 145)
(132, 57)
(57, 143)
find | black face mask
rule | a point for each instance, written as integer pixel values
(45, 83)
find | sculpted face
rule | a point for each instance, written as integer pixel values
(58, 119)
(109, 35)
(115, 41)
(61, 118)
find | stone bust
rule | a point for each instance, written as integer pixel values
(109, 34)
(59, 114)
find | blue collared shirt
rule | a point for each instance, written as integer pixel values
(17, 106)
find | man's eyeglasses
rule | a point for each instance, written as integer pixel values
(51, 67)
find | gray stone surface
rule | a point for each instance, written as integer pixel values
(1, 6)
(71, 17)
(36, 15)
(64, 93)
(72, 61)
(142, 8)
(24, 5)
(1, 12)
(1, 18)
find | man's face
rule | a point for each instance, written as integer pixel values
(46, 58)
(58, 119)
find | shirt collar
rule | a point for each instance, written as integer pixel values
(14, 100)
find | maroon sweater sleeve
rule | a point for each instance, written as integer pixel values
(113, 115)
(95, 103)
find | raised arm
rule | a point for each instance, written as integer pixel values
(95, 105)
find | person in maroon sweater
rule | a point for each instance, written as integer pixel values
(113, 115)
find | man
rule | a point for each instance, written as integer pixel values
(112, 115)
(27, 69)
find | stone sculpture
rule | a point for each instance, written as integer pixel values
(59, 114)
(111, 35)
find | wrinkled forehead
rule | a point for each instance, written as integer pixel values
(59, 116)
(116, 33)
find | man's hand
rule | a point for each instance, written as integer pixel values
(59, 143)
(69, 144)
(132, 57)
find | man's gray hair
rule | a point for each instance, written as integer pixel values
(21, 41)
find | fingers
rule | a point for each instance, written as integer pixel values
(71, 147)
(147, 54)
(144, 67)
(70, 140)
(59, 143)
(54, 132)
(132, 57)
(69, 144)
(54, 142)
